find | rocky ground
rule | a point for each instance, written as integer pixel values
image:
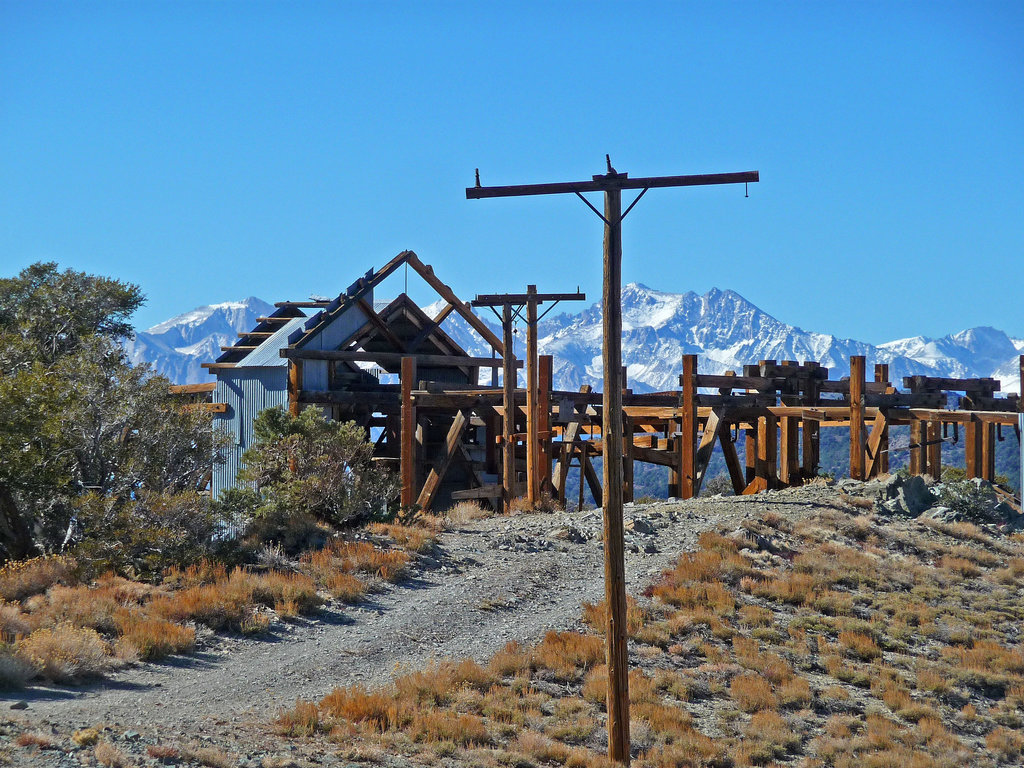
(486, 583)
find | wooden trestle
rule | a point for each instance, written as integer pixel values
(779, 406)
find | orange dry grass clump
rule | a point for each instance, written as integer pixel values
(153, 638)
(412, 537)
(356, 704)
(356, 557)
(752, 693)
(441, 725)
(24, 578)
(566, 654)
(859, 645)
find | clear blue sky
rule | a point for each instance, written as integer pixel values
(210, 151)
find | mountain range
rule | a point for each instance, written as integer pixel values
(725, 330)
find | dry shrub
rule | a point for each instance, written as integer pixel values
(37, 740)
(1013, 571)
(209, 756)
(346, 587)
(356, 704)
(1006, 743)
(79, 606)
(986, 656)
(360, 557)
(859, 646)
(438, 725)
(439, 682)
(163, 753)
(566, 654)
(513, 659)
(13, 623)
(699, 595)
(959, 531)
(276, 588)
(64, 654)
(24, 578)
(595, 615)
(110, 756)
(412, 537)
(196, 575)
(959, 565)
(153, 638)
(302, 720)
(795, 693)
(771, 735)
(752, 693)
(755, 616)
(465, 512)
(14, 670)
(932, 681)
(791, 588)
(86, 737)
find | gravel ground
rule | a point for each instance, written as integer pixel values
(489, 582)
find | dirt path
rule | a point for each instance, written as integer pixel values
(491, 581)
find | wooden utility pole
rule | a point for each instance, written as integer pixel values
(611, 184)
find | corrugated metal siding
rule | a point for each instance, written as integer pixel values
(266, 355)
(246, 392)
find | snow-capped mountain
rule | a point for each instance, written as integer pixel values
(725, 330)
(179, 346)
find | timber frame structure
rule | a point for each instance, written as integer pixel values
(446, 433)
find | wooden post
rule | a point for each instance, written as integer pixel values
(688, 428)
(508, 423)
(857, 363)
(627, 459)
(933, 453)
(789, 468)
(532, 443)
(294, 386)
(408, 439)
(988, 451)
(767, 449)
(918, 438)
(882, 465)
(544, 369)
(750, 453)
(809, 431)
(972, 448)
(617, 653)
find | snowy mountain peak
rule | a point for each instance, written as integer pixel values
(720, 326)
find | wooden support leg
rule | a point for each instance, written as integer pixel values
(706, 448)
(452, 445)
(789, 468)
(294, 386)
(934, 451)
(544, 369)
(767, 450)
(674, 474)
(972, 449)
(750, 454)
(988, 451)
(882, 464)
(408, 451)
(532, 441)
(918, 437)
(732, 462)
(857, 363)
(688, 428)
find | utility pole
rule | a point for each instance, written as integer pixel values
(611, 184)
(512, 306)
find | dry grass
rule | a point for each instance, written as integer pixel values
(414, 538)
(153, 638)
(302, 720)
(163, 753)
(35, 740)
(65, 654)
(465, 512)
(567, 654)
(859, 646)
(23, 578)
(752, 693)
(110, 756)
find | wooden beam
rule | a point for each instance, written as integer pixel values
(427, 273)
(767, 450)
(377, 322)
(612, 184)
(192, 389)
(918, 452)
(857, 365)
(732, 463)
(206, 407)
(408, 440)
(918, 383)
(393, 358)
(452, 444)
(789, 450)
(988, 451)
(627, 459)
(878, 436)
(972, 449)
(492, 492)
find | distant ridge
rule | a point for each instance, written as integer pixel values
(724, 329)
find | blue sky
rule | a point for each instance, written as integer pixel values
(210, 151)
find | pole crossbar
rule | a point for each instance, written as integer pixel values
(612, 185)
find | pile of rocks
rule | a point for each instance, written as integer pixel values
(974, 501)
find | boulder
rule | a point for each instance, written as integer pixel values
(942, 515)
(912, 498)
